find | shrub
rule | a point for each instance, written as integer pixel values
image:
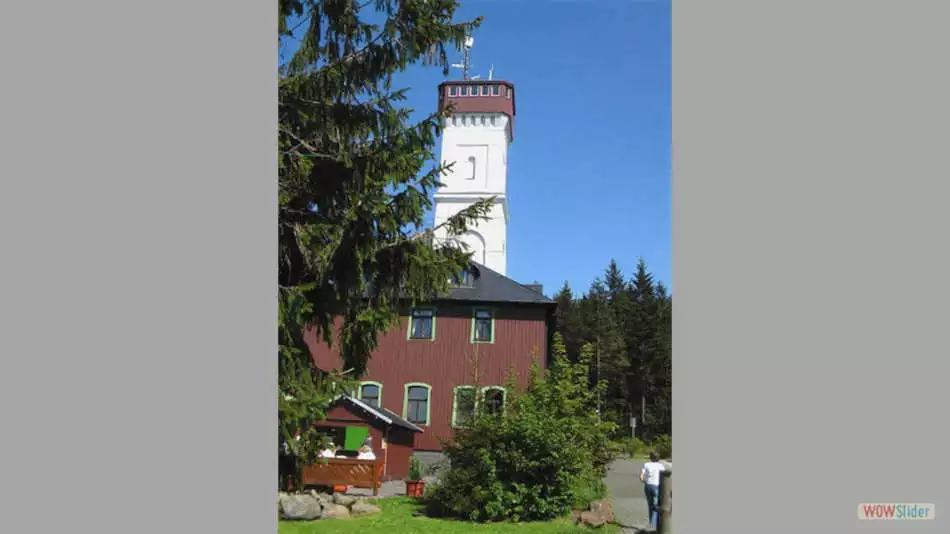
(415, 468)
(630, 446)
(590, 488)
(519, 469)
(546, 453)
(663, 446)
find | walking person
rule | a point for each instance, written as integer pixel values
(650, 476)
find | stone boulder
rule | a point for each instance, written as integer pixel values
(300, 507)
(599, 513)
(361, 508)
(324, 498)
(344, 500)
(336, 511)
(604, 510)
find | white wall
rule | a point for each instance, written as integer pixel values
(486, 238)
(478, 145)
(468, 136)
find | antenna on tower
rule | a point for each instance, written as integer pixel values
(491, 73)
(466, 64)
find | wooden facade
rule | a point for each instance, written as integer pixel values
(520, 333)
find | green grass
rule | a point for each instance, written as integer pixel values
(400, 517)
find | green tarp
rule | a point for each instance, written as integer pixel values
(354, 437)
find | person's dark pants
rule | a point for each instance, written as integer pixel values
(653, 501)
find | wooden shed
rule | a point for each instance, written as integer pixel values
(350, 420)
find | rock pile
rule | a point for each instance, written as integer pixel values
(314, 505)
(598, 513)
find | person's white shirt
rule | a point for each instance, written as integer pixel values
(366, 456)
(651, 473)
(328, 453)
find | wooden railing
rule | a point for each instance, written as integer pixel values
(345, 472)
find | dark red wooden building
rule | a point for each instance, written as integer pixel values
(424, 368)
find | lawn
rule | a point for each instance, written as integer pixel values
(399, 517)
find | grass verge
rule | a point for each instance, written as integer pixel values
(402, 515)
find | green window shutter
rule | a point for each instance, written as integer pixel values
(354, 437)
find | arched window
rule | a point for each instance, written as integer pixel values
(416, 403)
(371, 393)
(463, 405)
(493, 399)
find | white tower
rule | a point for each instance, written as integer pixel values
(476, 137)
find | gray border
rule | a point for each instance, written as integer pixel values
(810, 262)
(137, 212)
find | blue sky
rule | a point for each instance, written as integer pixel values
(589, 171)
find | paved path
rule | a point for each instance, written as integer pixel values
(625, 492)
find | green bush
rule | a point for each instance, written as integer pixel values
(547, 452)
(589, 488)
(663, 447)
(630, 446)
(415, 468)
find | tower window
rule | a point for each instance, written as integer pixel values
(492, 120)
(508, 93)
(494, 90)
(470, 175)
(485, 90)
(453, 90)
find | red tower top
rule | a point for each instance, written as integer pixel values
(480, 96)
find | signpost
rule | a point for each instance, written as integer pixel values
(633, 427)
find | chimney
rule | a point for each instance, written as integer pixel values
(536, 287)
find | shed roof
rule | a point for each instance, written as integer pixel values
(382, 414)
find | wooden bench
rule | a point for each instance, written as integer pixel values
(345, 472)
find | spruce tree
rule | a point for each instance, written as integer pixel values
(605, 336)
(648, 362)
(354, 183)
(566, 322)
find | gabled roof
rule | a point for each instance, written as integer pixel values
(381, 414)
(490, 286)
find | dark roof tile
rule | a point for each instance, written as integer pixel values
(490, 286)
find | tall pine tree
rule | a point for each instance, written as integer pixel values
(567, 323)
(354, 183)
(628, 326)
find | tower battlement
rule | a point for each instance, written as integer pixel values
(480, 97)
